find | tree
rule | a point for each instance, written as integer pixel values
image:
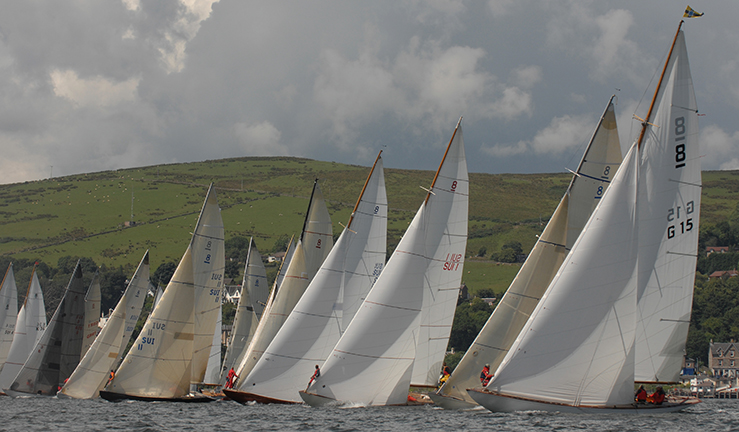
(163, 273)
(468, 320)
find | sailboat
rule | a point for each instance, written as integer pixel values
(92, 314)
(372, 363)
(254, 293)
(599, 163)
(307, 256)
(580, 349)
(29, 326)
(8, 313)
(106, 351)
(57, 353)
(170, 355)
(328, 304)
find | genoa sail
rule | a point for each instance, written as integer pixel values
(162, 364)
(8, 313)
(92, 314)
(599, 163)
(329, 303)
(106, 351)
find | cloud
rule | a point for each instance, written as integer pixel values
(559, 137)
(719, 148)
(260, 139)
(96, 91)
(190, 15)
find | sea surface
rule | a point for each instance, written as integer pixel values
(51, 414)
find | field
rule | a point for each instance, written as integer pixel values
(90, 215)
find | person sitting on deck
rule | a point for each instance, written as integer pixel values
(315, 376)
(641, 395)
(485, 375)
(657, 397)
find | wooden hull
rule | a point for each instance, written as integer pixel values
(117, 397)
(244, 397)
(502, 403)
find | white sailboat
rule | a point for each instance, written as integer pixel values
(8, 313)
(580, 349)
(329, 303)
(213, 369)
(92, 314)
(373, 360)
(254, 294)
(307, 256)
(105, 353)
(29, 326)
(57, 353)
(170, 354)
(599, 163)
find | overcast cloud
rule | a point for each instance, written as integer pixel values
(88, 85)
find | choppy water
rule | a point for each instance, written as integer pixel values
(51, 414)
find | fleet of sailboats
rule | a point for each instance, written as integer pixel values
(617, 311)
(602, 303)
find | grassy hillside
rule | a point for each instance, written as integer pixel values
(84, 215)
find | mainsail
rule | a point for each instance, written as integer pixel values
(309, 253)
(172, 350)
(329, 303)
(669, 206)
(92, 313)
(599, 163)
(254, 293)
(372, 362)
(57, 353)
(29, 326)
(8, 313)
(106, 351)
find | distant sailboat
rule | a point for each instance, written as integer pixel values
(92, 314)
(254, 294)
(29, 326)
(582, 347)
(597, 167)
(170, 355)
(8, 313)
(328, 304)
(372, 362)
(57, 353)
(309, 253)
(105, 353)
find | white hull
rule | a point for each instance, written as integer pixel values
(452, 403)
(499, 403)
(315, 400)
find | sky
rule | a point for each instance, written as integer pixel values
(88, 85)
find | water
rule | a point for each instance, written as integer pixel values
(51, 414)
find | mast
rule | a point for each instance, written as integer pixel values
(656, 91)
(442, 160)
(361, 194)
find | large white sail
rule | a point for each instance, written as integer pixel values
(577, 347)
(669, 206)
(329, 303)
(8, 313)
(161, 363)
(106, 351)
(599, 164)
(310, 251)
(254, 294)
(92, 314)
(29, 326)
(372, 362)
(57, 352)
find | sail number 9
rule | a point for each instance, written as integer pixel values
(675, 215)
(680, 140)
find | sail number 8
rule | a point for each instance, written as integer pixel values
(680, 146)
(677, 213)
